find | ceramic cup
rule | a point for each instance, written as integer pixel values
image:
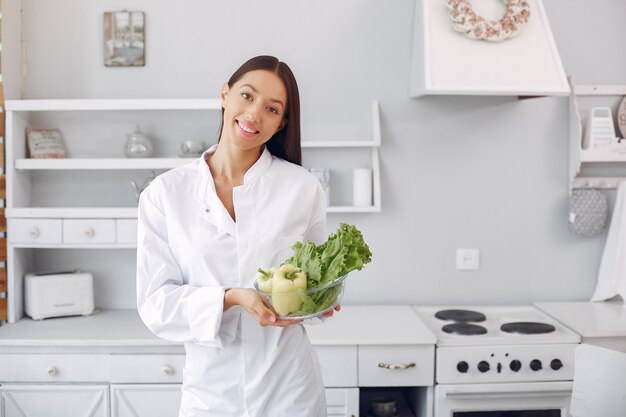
(190, 147)
(384, 407)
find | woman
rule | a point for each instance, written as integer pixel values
(205, 228)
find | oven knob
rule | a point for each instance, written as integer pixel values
(515, 365)
(556, 364)
(462, 367)
(535, 364)
(483, 366)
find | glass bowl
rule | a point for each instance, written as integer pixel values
(313, 302)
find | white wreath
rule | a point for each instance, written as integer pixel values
(466, 21)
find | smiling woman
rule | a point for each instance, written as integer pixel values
(204, 229)
(285, 142)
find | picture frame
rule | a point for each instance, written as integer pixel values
(45, 143)
(124, 39)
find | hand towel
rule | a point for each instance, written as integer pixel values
(612, 273)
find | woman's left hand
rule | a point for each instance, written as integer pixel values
(331, 312)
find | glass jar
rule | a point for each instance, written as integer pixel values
(138, 145)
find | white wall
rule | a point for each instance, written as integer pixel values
(477, 172)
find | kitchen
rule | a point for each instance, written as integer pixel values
(460, 171)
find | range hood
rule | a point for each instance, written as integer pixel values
(446, 62)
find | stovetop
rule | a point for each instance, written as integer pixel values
(493, 325)
(486, 344)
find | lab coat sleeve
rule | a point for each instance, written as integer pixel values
(170, 308)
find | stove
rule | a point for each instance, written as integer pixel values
(502, 359)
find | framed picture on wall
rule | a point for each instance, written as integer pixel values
(124, 39)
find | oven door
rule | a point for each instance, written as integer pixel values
(529, 399)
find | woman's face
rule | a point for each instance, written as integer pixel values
(253, 109)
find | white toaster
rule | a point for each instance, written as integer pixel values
(58, 294)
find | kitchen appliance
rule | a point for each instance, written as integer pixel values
(600, 128)
(58, 294)
(500, 361)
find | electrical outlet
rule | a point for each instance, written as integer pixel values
(467, 259)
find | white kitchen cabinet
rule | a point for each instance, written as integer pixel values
(582, 99)
(145, 400)
(54, 400)
(342, 402)
(86, 200)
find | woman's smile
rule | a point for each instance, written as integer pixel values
(246, 129)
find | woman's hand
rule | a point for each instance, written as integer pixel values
(331, 312)
(250, 301)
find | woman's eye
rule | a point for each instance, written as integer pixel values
(246, 96)
(273, 110)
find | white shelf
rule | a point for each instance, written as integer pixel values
(72, 212)
(26, 177)
(114, 104)
(577, 155)
(340, 144)
(602, 155)
(353, 209)
(99, 163)
(126, 212)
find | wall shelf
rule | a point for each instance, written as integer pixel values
(49, 206)
(114, 104)
(615, 153)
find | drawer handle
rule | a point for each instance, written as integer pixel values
(34, 232)
(89, 232)
(396, 365)
(167, 370)
(52, 371)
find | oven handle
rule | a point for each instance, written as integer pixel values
(513, 394)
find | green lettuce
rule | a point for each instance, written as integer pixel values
(344, 251)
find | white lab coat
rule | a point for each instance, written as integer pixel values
(190, 250)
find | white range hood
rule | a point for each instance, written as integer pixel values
(446, 62)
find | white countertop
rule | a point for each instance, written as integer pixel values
(124, 328)
(589, 319)
(372, 325)
(103, 328)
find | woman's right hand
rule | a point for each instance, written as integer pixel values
(250, 301)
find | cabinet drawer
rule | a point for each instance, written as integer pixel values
(372, 374)
(147, 368)
(338, 365)
(89, 231)
(126, 230)
(34, 230)
(54, 368)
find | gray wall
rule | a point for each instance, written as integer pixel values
(457, 172)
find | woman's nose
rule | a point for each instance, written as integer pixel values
(252, 112)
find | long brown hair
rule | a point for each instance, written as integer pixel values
(285, 143)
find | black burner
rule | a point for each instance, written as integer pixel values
(464, 329)
(525, 327)
(460, 315)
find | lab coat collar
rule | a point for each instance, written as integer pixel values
(205, 180)
(206, 194)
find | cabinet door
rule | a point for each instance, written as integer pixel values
(149, 400)
(55, 400)
(342, 402)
